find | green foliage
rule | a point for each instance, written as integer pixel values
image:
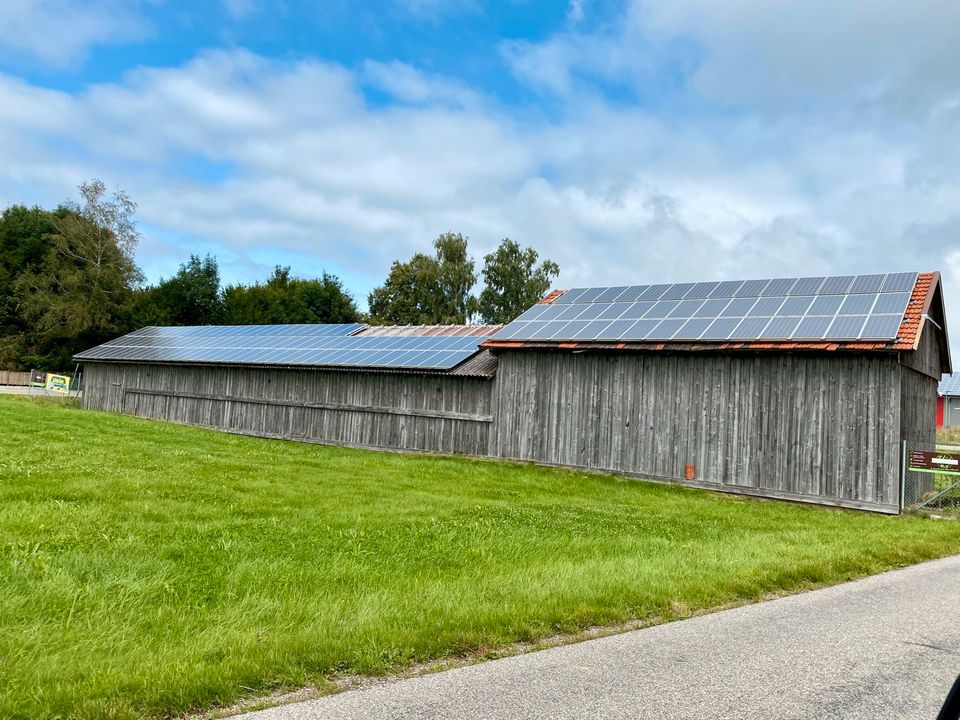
(513, 281)
(191, 297)
(428, 290)
(24, 244)
(283, 299)
(77, 287)
(153, 570)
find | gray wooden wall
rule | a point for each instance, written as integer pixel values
(821, 428)
(385, 410)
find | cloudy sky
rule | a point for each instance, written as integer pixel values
(654, 140)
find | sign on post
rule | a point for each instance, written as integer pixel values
(58, 384)
(934, 462)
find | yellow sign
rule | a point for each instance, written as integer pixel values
(58, 383)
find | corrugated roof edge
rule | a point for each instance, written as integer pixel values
(908, 336)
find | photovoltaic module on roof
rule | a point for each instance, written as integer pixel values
(286, 345)
(850, 307)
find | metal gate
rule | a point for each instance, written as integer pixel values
(930, 479)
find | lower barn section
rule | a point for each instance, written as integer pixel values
(402, 411)
(825, 429)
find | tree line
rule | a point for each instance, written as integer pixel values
(69, 281)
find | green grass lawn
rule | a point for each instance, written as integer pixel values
(149, 569)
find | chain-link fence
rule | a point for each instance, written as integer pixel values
(931, 479)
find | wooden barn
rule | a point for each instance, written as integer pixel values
(793, 388)
(403, 388)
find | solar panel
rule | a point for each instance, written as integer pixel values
(309, 345)
(632, 293)
(847, 307)
(610, 294)
(836, 285)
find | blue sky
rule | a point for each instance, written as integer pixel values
(634, 141)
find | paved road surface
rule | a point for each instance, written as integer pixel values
(884, 647)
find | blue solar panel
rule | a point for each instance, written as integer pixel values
(321, 345)
(811, 328)
(632, 293)
(654, 292)
(899, 282)
(836, 285)
(814, 308)
(726, 289)
(881, 327)
(807, 286)
(779, 288)
(826, 305)
(780, 328)
(867, 283)
(614, 310)
(795, 306)
(610, 294)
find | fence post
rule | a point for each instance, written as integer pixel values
(903, 473)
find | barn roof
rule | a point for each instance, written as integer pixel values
(856, 313)
(428, 349)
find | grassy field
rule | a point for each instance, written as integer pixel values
(149, 569)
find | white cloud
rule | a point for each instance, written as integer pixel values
(60, 32)
(406, 84)
(786, 54)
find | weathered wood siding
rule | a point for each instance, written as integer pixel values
(818, 428)
(920, 374)
(383, 410)
(918, 425)
(926, 358)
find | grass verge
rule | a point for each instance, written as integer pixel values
(152, 569)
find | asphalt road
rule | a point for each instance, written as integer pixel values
(884, 647)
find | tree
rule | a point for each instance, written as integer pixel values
(456, 278)
(514, 281)
(24, 243)
(82, 291)
(428, 290)
(285, 299)
(191, 297)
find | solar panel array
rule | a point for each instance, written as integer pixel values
(308, 345)
(851, 307)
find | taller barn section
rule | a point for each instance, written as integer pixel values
(425, 388)
(795, 388)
